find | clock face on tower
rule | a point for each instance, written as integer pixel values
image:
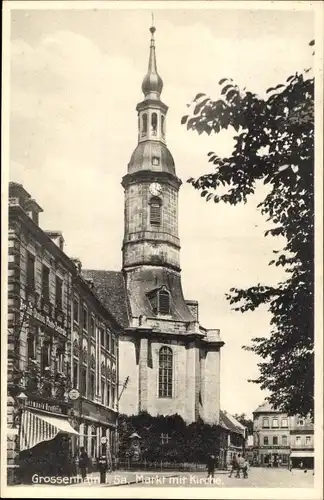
(155, 189)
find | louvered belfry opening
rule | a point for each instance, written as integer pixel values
(155, 211)
(164, 302)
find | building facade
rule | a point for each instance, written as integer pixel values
(171, 362)
(281, 440)
(301, 442)
(236, 437)
(60, 337)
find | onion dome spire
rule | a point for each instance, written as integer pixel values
(152, 84)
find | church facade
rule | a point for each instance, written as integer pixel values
(168, 362)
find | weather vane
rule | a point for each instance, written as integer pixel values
(152, 18)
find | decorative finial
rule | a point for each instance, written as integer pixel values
(152, 28)
(152, 83)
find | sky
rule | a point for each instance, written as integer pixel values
(75, 81)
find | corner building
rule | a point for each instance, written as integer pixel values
(170, 362)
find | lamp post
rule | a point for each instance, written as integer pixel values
(21, 403)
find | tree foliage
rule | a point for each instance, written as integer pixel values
(274, 145)
(187, 443)
(244, 420)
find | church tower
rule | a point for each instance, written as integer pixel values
(171, 364)
(151, 185)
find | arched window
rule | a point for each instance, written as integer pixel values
(154, 123)
(155, 211)
(163, 125)
(165, 372)
(144, 124)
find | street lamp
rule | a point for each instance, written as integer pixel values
(21, 400)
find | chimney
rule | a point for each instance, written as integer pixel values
(57, 238)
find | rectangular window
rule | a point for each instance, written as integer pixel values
(103, 392)
(75, 310)
(31, 343)
(113, 345)
(108, 342)
(300, 422)
(92, 327)
(45, 357)
(275, 440)
(275, 422)
(265, 423)
(298, 440)
(265, 440)
(113, 395)
(45, 283)
(108, 395)
(30, 271)
(308, 440)
(102, 337)
(92, 386)
(284, 441)
(83, 384)
(59, 293)
(75, 374)
(284, 422)
(85, 318)
(155, 161)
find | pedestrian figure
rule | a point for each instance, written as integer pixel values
(83, 463)
(234, 465)
(211, 464)
(245, 469)
(301, 465)
(241, 462)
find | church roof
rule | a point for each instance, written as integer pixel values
(111, 290)
(142, 158)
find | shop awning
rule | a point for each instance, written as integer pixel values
(36, 428)
(301, 454)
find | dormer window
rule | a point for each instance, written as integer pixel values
(156, 161)
(160, 301)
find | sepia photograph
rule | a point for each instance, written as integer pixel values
(162, 257)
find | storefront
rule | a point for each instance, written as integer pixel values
(97, 432)
(44, 441)
(273, 457)
(302, 458)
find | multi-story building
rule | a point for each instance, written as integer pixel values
(302, 442)
(271, 436)
(60, 337)
(280, 439)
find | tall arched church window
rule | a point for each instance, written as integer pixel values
(144, 124)
(163, 125)
(165, 372)
(155, 211)
(154, 123)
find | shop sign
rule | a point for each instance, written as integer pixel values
(48, 322)
(45, 406)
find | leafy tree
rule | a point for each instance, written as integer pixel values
(247, 422)
(274, 145)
